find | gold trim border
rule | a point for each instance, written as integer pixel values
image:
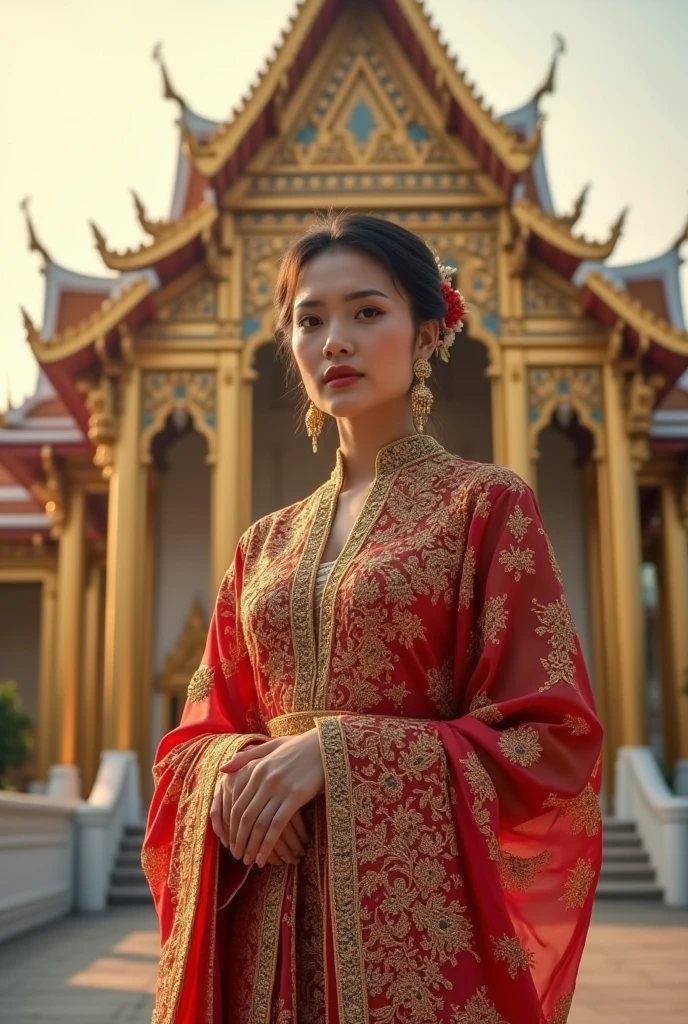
(352, 991)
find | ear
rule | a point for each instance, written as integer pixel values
(427, 340)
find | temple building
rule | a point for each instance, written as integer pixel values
(163, 424)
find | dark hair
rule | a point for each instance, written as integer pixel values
(407, 257)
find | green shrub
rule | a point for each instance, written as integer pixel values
(15, 732)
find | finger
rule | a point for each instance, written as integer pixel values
(284, 853)
(300, 827)
(244, 757)
(227, 804)
(238, 835)
(291, 840)
(276, 861)
(280, 819)
(258, 818)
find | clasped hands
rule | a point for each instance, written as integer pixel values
(256, 808)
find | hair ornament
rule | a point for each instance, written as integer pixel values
(452, 323)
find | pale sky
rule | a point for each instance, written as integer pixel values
(83, 120)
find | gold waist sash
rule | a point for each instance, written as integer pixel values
(296, 722)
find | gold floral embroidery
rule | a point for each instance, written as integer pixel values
(578, 883)
(343, 872)
(467, 579)
(483, 505)
(518, 523)
(411, 921)
(482, 788)
(583, 810)
(391, 460)
(562, 1009)
(441, 689)
(521, 745)
(578, 726)
(478, 1010)
(489, 475)
(276, 602)
(517, 561)
(484, 710)
(493, 620)
(268, 944)
(155, 861)
(554, 565)
(518, 874)
(557, 622)
(514, 953)
(204, 758)
(201, 683)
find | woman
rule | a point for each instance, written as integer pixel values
(381, 803)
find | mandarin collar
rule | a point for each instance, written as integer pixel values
(396, 455)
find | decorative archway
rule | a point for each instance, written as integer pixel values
(169, 393)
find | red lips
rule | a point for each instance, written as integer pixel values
(336, 372)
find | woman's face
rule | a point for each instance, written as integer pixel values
(349, 314)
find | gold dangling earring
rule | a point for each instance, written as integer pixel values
(421, 395)
(315, 421)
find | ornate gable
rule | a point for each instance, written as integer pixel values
(197, 302)
(364, 123)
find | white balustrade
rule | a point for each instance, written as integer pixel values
(56, 854)
(37, 863)
(661, 818)
(114, 803)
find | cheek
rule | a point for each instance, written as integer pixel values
(390, 349)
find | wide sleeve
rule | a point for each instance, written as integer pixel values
(477, 837)
(191, 876)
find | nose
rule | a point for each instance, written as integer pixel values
(336, 342)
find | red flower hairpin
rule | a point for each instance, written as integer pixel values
(456, 310)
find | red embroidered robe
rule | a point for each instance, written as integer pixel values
(452, 862)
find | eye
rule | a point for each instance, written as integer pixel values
(368, 313)
(310, 320)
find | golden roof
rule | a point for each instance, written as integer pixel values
(551, 229)
(154, 228)
(167, 238)
(98, 324)
(637, 316)
(209, 155)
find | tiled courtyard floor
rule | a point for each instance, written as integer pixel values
(100, 970)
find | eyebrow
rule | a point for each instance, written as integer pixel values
(347, 298)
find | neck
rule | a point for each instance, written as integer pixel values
(361, 439)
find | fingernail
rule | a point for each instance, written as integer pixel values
(260, 861)
(247, 860)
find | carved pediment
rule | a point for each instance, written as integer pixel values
(363, 128)
(545, 294)
(186, 657)
(197, 302)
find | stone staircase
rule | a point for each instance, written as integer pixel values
(626, 870)
(127, 882)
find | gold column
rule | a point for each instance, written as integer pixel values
(246, 471)
(514, 388)
(603, 618)
(146, 690)
(227, 497)
(497, 404)
(621, 544)
(674, 624)
(124, 582)
(70, 597)
(90, 717)
(46, 738)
